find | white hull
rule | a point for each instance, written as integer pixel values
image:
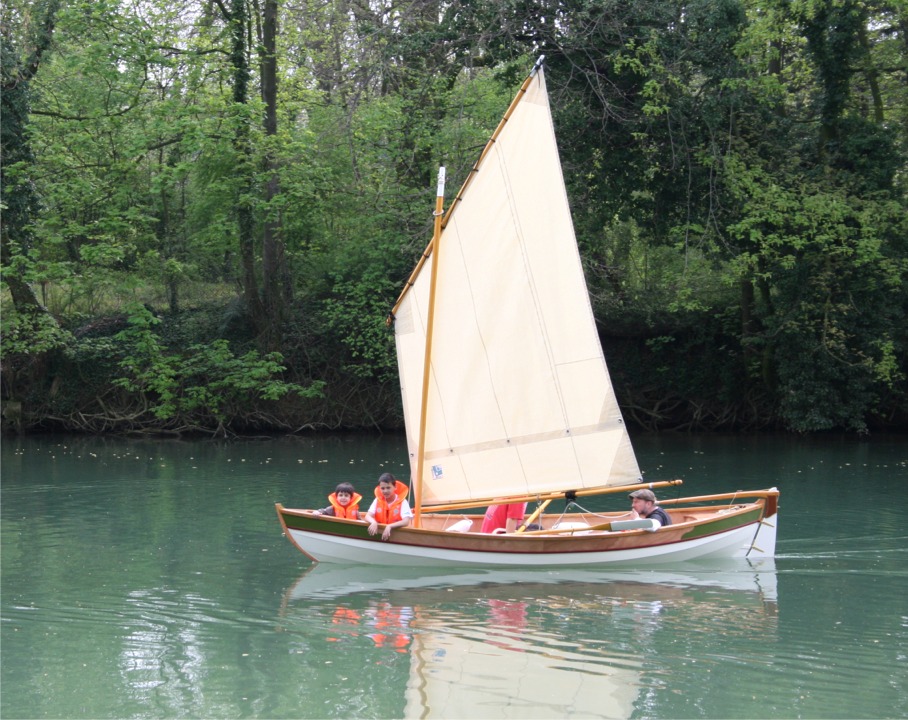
(737, 543)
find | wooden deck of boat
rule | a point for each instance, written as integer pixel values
(445, 521)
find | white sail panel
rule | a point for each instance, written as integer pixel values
(519, 398)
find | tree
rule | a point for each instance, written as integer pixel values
(738, 192)
(30, 331)
(277, 283)
(18, 195)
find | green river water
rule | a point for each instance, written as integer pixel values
(150, 579)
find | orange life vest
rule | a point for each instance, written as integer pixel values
(388, 513)
(351, 512)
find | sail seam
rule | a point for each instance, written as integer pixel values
(529, 439)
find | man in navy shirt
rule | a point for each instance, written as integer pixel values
(644, 505)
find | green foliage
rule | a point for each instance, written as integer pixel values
(819, 390)
(204, 380)
(837, 304)
(357, 316)
(30, 334)
(736, 172)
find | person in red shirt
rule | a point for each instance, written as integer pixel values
(504, 518)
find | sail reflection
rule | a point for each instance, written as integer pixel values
(531, 643)
(514, 667)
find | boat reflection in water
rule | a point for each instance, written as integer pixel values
(534, 643)
(513, 669)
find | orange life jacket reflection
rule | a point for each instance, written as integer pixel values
(386, 512)
(391, 624)
(351, 512)
(344, 616)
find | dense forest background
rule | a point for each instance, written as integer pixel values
(209, 207)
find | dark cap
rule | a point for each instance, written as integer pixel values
(643, 495)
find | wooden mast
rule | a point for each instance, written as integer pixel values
(427, 359)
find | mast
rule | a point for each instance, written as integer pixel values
(427, 360)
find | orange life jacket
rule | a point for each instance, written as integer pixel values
(351, 512)
(388, 513)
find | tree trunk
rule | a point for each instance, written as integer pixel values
(276, 276)
(19, 200)
(871, 75)
(238, 19)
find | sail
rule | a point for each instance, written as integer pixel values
(519, 398)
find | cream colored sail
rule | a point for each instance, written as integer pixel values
(519, 399)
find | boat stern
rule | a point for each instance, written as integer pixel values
(763, 544)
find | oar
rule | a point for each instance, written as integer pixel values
(535, 515)
(722, 496)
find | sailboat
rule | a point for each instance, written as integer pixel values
(506, 393)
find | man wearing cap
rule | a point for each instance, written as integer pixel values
(644, 505)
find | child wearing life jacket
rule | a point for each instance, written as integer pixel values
(344, 503)
(390, 506)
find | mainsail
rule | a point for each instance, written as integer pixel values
(519, 400)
